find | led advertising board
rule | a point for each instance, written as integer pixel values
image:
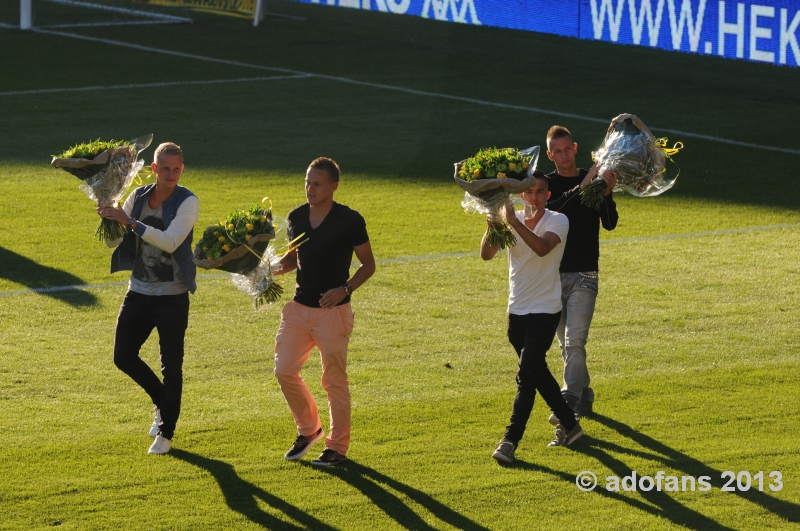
(755, 30)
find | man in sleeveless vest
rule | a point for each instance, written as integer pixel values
(158, 250)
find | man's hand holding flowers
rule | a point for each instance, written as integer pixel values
(113, 213)
(610, 177)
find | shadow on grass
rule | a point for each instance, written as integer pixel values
(658, 503)
(22, 270)
(242, 496)
(671, 458)
(375, 486)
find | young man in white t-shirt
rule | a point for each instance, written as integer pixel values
(534, 309)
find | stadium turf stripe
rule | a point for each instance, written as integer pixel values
(151, 85)
(406, 90)
(426, 257)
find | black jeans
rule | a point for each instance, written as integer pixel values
(138, 316)
(531, 336)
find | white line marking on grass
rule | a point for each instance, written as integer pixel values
(701, 234)
(424, 258)
(151, 85)
(412, 91)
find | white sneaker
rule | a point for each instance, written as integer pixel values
(160, 446)
(156, 422)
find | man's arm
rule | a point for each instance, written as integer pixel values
(334, 296)
(166, 240)
(487, 251)
(608, 208)
(180, 227)
(608, 213)
(541, 245)
(287, 263)
(558, 204)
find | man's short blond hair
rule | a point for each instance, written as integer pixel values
(168, 149)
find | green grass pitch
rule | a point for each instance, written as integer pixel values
(693, 349)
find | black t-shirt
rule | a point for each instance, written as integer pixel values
(323, 262)
(582, 251)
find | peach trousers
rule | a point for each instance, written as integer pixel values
(302, 328)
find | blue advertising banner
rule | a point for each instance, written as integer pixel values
(761, 30)
(755, 30)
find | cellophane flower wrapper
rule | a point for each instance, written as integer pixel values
(260, 284)
(107, 178)
(118, 168)
(488, 196)
(631, 150)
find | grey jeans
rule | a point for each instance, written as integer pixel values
(578, 296)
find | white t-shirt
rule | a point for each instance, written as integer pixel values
(534, 284)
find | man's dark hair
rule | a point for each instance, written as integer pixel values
(557, 131)
(327, 165)
(539, 174)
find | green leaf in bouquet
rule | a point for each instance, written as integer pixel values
(488, 163)
(109, 230)
(90, 149)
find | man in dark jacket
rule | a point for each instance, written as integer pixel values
(579, 265)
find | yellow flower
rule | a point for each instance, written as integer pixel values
(230, 227)
(221, 239)
(248, 236)
(524, 165)
(476, 173)
(512, 166)
(263, 218)
(501, 175)
(226, 248)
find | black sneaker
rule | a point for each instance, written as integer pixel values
(303, 444)
(328, 458)
(564, 437)
(584, 409)
(505, 451)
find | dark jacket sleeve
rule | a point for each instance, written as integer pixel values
(558, 203)
(608, 212)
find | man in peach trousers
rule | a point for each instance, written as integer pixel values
(320, 314)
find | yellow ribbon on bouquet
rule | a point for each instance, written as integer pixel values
(661, 143)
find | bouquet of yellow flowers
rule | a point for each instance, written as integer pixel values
(489, 179)
(236, 243)
(637, 157)
(244, 245)
(107, 169)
